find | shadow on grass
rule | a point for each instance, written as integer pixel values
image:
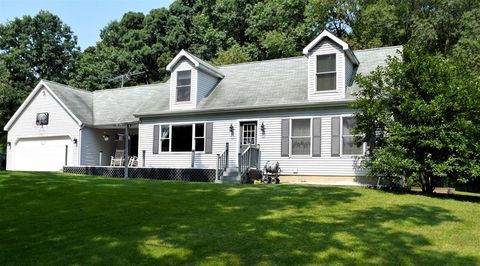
(459, 197)
(57, 219)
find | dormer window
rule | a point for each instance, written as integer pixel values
(184, 81)
(326, 72)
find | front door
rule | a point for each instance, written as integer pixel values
(248, 134)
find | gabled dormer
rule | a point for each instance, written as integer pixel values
(191, 80)
(331, 65)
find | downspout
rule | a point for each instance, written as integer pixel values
(79, 145)
(125, 172)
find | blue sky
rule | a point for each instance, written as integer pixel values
(85, 17)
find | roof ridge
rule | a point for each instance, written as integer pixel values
(131, 87)
(68, 86)
(378, 48)
(201, 60)
(261, 61)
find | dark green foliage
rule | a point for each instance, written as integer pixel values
(421, 111)
(37, 47)
(420, 114)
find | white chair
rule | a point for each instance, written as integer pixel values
(118, 159)
(133, 161)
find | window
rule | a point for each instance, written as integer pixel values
(199, 137)
(183, 85)
(165, 138)
(42, 119)
(326, 72)
(182, 137)
(300, 136)
(349, 147)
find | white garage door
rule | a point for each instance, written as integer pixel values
(41, 154)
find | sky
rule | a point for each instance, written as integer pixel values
(85, 17)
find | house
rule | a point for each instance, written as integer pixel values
(291, 110)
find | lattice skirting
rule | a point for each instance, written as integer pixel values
(192, 175)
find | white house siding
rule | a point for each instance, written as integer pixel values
(206, 82)
(348, 72)
(326, 47)
(182, 65)
(92, 143)
(269, 143)
(61, 124)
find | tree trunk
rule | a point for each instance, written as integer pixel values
(428, 185)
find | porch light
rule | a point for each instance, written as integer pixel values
(262, 128)
(75, 141)
(9, 144)
(231, 129)
(105, 136)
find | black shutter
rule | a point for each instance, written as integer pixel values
(285, 131)
(335, 136)
(317, 137)
(156, 139)
(208, 138)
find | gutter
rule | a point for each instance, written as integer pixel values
(116, 125)
(340, 103)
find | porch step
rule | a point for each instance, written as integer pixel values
(231, 176)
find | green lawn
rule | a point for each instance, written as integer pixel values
(60, 219)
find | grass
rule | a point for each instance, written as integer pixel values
(59, 219)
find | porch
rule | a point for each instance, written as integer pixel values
(223, 172)
(102, 144)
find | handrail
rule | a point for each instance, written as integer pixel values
(248, 159)
(222, 162)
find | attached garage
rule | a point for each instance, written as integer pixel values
(42, 154)
(44, 134)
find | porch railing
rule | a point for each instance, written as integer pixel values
(248, 159)
(222, 162)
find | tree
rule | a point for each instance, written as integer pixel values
(236, 54)
(32, 48)
(9, 100)
(37, 47)
(337, 16)
(419, 115)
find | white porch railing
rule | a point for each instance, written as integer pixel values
(248, 159)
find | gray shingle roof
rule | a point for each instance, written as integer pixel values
(113, 106)
(254, 84)
(116, 106)
(275, 82)
(79, 102)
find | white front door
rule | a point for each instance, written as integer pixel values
(248, 134)
(42, 154)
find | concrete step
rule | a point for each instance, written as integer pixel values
(231, 176)
(231, 171)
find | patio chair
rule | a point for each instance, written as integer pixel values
(133, 161)
(118, 159)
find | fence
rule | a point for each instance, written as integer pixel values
(188, 174)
